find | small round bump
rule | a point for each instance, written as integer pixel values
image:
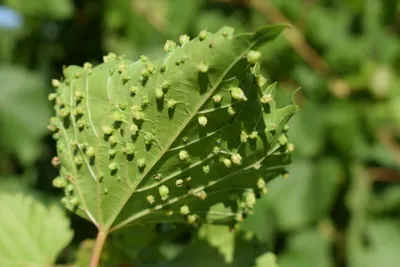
(129, 149)
(236, 158)
(141, 163)
(113, 166)
(150, 199)
(238, 94)
(202, 120)
(163, 191)
(203, 35)
(253, 56)
(55, 83)
(184, 210)
(183, 39)
(159, 93)
(217, 98)
(179, 183)
(202, 67)
(107, 130)
(184, 155)
(266, 98)
(90, 152)
(227, 162)
(169, 46)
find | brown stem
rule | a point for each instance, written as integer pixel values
(98, 247)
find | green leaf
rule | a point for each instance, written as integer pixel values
(22, 92)
(216, 246)
(267, 260)
(147, 142)
(31, 234)
(383, 237)
(308, 248)
(60, 9)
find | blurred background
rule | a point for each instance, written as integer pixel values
(340, 205)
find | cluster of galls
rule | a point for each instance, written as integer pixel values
(73, 114)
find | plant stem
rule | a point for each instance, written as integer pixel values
(98, 247)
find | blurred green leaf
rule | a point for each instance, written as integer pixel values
(267, 260)
(382, 242)
(305, 249)
(31, 234)
(24, 112)
(60, 9)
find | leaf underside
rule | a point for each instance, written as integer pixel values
(175, 167)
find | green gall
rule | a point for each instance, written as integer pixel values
(216, 150)
(260, 183)
(112, 152)
(78, 160)
(122, 106)
(239, 217)
(145, 100)
(59, 182)
(184, 155)
(203, 35)
(133, 89)
(107, 130)
(110, 56)
(159, 93)
(150, 68)
(163, 191)
(117, 116)
(75, 201)
(77, 75)
(171, 103)
(290, 147)
(121, 67)
(286, 128)
(149, 138)
(231, 111)
(129, 149)
(238, 94)
(113, 166)
(165, 86)
(201, 194)
(285, 175)
(243, 137)
(179, 183)
(184, 210)
(236, 158)
(169, 46)
(70, 188)
(90, 152)
(64, 112)
(141, 163)
(253, 135)
(191, 218)
(253, 56)
(137, 115)
(80, 124)
(266, 98)
(52, 96)
(227, 162)
(144, 58)
(283, 140)
(125, 78)
(133, 129)
(183, 39)
(217, 98)
(206, 169)
(163, 68)
(157, 176)
(202, 67)
(150, 199)
(202, 120)
(225, 34)
(250, 199)
(55, 83)
(105, 191)
(261, 81)
(87, 66)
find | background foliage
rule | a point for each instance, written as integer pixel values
(340, 205)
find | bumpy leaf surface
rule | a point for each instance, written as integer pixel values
(31, 234)
(165, 140)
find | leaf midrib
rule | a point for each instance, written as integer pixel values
(173, 139)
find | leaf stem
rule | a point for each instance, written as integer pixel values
(98, 247)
